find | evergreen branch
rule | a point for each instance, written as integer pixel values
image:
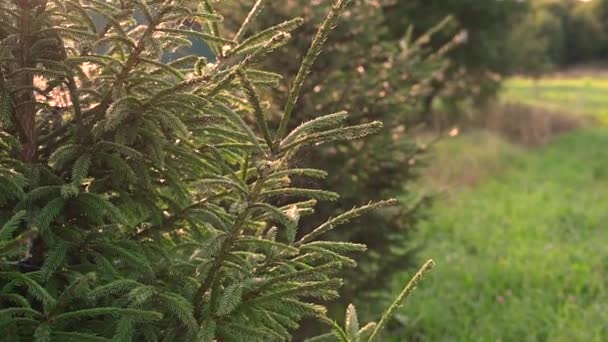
(344, 133)
(80, 170)
(317, 194)
(328, 337)
(316, 125)
(225, 249)
(276, 213)
(268, 243)
(132, 61)
(319, 253)
(220, 159)
(311, 273)
(71, 291)
(144, 9)
(230, 299)
(317, 289)
(221, 182)
(258, 112)
(262, 38)
(351, 322)
(364, 332)
(49, 213)
(343, 218)
(84, 15)
(213, 27)
(11, 312)
(162, 66)
(236, 118)
(178, 306)
(276, 41)
(54, 259)
(140, 315)
(207, 17)
(200, 35)
(179, 215)
(112, 288)
(407, 290)
(264, 78)
(11, 225)
(16, 243)
(255, 10)
(36, 290)
(337, 246)
(311, 173)
(311, 55)
(75, 98)
(77, 336)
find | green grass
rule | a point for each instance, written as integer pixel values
(480, 155)
(582, 95)
(523, 256)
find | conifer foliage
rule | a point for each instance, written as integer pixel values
(136, 203)
(374, 77)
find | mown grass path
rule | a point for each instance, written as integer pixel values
(522, 256)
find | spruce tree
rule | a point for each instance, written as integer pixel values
(136, 201)
(375, 77)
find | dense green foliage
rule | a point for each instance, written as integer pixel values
(377, 78)
(136, 201)
(521, 257)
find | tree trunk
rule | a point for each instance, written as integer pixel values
(25, 106)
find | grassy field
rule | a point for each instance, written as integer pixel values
(523, 256)
(472, 158)
(520, 240)
(581, 95)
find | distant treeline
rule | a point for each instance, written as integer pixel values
(560, 33)
(505, 37)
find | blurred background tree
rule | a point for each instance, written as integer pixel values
(487, 25)
(563, 32)
(537, 44)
